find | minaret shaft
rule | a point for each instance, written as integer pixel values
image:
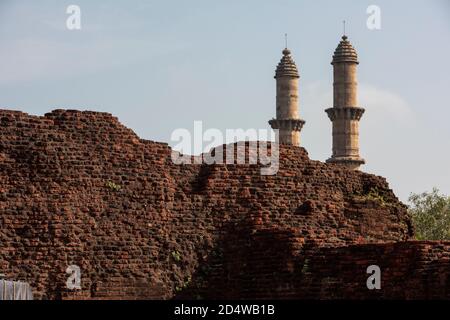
(345, 138)
(345, 85)
(345, 114)
(287, 98)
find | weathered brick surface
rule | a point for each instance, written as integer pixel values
(272, 263)
(80, 188)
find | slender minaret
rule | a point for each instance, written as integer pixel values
(345, 114)
(287, 119)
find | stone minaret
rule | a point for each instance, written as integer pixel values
(287, 119)
(345, 114)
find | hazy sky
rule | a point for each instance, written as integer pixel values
(160, 65)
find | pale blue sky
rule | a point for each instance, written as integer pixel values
(160, 65)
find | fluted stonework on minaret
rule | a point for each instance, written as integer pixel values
(287, 119)
(346, 113)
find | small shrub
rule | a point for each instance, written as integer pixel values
(176, 256)
(114, 187)
(372, 195)
(375, 195)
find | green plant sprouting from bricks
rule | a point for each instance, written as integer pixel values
(113, 186)
(373, 195)
(176, 256)
(184, 285)
(305, 267)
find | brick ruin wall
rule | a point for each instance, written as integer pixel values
(79, 188)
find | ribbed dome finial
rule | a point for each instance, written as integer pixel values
(345, 52)
(286, 67)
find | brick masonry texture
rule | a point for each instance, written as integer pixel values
(80, 188)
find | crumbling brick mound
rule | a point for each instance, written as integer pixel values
(80, 188)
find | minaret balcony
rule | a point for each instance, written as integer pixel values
(289, 124)
(348, 113)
